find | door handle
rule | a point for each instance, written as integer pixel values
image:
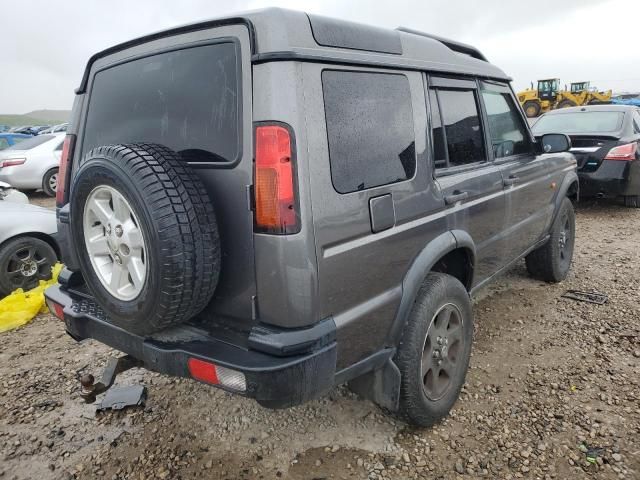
(456, 197)
(512, 180)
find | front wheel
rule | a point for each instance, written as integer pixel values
(433, 356)
(531, 109)
(551, 262)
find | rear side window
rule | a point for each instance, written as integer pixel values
(187, 100)
(370, 129)
(32, 142)
(462, 131)
(4, 143)
(508, 135)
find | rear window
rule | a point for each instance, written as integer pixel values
(579, 122)
(32, 142)
(370, 129)
(187, 100)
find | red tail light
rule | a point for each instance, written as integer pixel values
(56, 309)
(12, 162)
(216, 375)
(64, 170)
(203, 371)
(275, 188)
(623, 152)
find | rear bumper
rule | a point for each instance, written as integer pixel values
(274, 381)
(612, 179)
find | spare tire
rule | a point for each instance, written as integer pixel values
(146, 236)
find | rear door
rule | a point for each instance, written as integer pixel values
(528, 179)
(374, 203)
(470, 183)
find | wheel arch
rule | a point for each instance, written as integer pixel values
(39, 235)
(452, 252)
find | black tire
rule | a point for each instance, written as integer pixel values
(422, 404)
(632, 201)
(531, 108)
(566, 104)
(552, 261)
(48, 180)
(23, 262)
(178, 224)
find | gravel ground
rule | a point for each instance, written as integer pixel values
(553, 392)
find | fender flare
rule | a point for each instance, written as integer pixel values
(570, 179)
(419, 269)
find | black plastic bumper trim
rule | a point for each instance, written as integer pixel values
(275, 382)
(284, 342)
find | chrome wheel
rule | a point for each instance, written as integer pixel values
(115, 243)
(442, 352)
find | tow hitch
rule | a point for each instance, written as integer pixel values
(89, 389)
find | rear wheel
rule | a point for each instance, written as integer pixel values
(531, 108)
(433, 356)
(23, 262)
(551, 262)
(632, 201)
(146, 235)
(50, 182)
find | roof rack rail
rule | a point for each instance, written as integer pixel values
(452, 44)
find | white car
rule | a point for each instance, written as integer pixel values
(28, 246)
(33, 163)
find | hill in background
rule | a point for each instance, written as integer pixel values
(37, 117)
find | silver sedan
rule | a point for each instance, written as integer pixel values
(33, 163)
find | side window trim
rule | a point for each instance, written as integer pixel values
(436, 83)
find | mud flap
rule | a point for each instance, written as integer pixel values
(381, 386)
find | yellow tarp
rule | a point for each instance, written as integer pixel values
(20, 307)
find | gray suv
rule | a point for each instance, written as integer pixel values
(277, 203)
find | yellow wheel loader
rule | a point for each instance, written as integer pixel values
(591, 94)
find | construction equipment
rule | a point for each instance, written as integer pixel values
(590, 95)
(548, 96)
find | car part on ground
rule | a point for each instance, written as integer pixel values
(589, 297)
(329, 224)
(151, 253)
(89, 388)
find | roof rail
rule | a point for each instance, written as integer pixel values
(452, 44)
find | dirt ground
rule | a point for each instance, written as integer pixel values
(553, 393)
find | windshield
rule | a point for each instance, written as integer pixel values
(579, 122)
(32, 142)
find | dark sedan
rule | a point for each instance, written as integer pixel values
(605, 142)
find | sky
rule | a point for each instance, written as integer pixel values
(46, 46)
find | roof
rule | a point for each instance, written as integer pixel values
(280, 34)
(594, 108)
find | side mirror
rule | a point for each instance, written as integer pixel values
(554, 143)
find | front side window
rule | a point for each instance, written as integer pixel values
(4, 143)
(462, 129)
(187, 100)
(370, 129)
(508, 134)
